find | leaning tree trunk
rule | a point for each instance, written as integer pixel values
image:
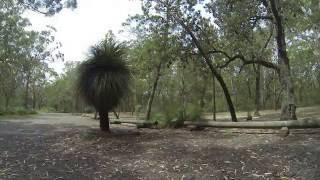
(154, 88)
(226, 94)
(288, 107)
(104, 121)
(213, 70)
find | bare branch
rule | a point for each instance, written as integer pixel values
(32, 8)
(244, 60)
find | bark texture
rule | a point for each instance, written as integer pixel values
(258, 91)
(153, 91)
(288, 106)
(104, 121)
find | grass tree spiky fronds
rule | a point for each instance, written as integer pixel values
(104, 78)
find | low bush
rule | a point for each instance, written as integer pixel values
(174, 116)
(193, 113)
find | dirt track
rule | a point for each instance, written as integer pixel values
(62, 146)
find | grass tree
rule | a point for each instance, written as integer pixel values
(104, 78)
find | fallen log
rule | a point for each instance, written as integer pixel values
(131, 121)
(139, 123)
(303, 123)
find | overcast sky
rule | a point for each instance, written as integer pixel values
(81, 28)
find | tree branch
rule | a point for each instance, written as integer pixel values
(244, 60)
(32, 8)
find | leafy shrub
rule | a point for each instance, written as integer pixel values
(47, 109)
(173, 116)
(160, 118)
(170, 117)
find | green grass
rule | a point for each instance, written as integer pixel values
(19, 112)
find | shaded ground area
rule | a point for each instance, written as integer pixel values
(62, 146)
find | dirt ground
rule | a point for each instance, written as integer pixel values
(67, 147)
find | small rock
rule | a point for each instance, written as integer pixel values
(284, 131)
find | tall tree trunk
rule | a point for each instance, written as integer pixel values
(34, 97)
(258, 91)
(183, 95)
(234, 92)
(104, 121)
(7, 101)
(288, 106)
(249, 99)
(153, 91)
(274, 95)
(203, 94)
(26, 98)
(164, 57)
(214, 110)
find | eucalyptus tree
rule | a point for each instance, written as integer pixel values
(39, 48)
(24, 54)
(104, 78)
(185, 19)
(157, 28)
(11, 28)
(283, 18)
(305, 65)
(12, 36)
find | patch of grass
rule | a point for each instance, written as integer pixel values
(18, 112)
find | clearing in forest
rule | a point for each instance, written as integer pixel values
(62, 146)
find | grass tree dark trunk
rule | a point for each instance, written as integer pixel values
(104, 121)
(104, 79)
